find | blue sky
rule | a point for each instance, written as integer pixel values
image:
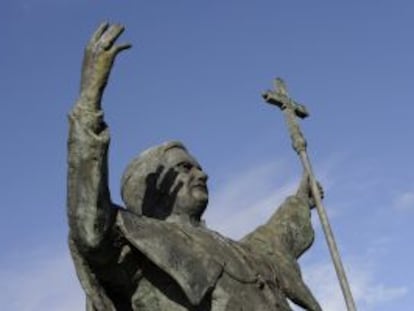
(195, 73)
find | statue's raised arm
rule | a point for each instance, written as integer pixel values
(89, 205)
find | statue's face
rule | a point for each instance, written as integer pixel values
(189, 185)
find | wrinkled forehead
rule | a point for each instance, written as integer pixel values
(177, 155)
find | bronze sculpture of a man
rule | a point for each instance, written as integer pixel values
(156, 254)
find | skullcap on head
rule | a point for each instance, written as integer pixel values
(137, 174)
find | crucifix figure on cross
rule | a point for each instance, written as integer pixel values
(293, 110)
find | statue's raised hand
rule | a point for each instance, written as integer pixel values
(100, 54)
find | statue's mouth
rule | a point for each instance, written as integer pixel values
(201, 186)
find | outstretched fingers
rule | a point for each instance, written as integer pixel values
(99, 32)
(111, 35)
(121, 47)
(105, 36)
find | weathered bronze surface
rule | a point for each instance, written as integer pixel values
(156, 254)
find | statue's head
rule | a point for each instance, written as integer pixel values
(165, 180)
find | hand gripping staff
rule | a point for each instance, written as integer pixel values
(291, 110)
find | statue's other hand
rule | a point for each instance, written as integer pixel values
(312, 202)
(305, 191)
(99, 56)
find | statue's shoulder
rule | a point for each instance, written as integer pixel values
(174, 251)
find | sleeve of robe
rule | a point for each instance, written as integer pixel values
(282, 240)
(89, 207)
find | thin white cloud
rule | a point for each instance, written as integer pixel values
(247, 199)
(40, 280)
(369, 293)
(404, 201)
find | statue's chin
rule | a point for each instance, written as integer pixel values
(193, 203)
(200, 196)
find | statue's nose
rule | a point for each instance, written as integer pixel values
(201, 175)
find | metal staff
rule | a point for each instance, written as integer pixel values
(292, 109)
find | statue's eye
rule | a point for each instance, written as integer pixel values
(185, 166)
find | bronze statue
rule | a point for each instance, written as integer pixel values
(156, 253)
